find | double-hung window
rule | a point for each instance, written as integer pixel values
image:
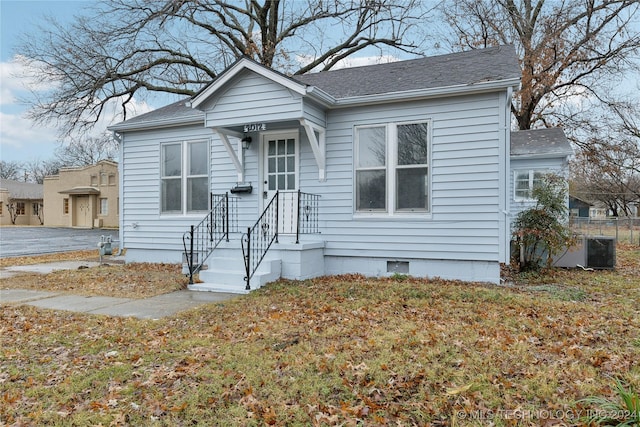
(392, 168)
(525, 181)
(184, 177)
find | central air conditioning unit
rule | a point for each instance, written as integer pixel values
(590, 252)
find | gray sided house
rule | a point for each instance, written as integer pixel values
(399, 167)
(535, 153)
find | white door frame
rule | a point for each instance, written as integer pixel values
(264, 186)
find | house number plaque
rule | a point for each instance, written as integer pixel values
(255, 127)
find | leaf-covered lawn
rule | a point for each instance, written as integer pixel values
(140, 280)
(335, 351)
(86, 255)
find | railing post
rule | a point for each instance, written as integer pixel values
(247, 260)
(190, 260)
(277, 209)
(226, 211)
(211, 216)
(298, 219)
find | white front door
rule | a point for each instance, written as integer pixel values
(281, 174)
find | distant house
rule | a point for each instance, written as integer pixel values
(23, 201)
(578, 207)
(599, 211)
(535, 153)
(85, 197)
(392, 168)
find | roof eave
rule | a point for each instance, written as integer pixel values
(155, 124)
(321, 96)
(488, 86)
(543, 155)
(81, 191)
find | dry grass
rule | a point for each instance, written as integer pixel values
(139, 280)
(336, 351)
(88, 255)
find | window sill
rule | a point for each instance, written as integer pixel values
(178, 215)
(397, 216)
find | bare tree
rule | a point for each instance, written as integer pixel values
(607, 166)
(40, 213)
(15, 208)
(87, 151)
(127, 48)
(37, 170)
(606, 173)
(566, 48)
(10, 170)
(628, 128)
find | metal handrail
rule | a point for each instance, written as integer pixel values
(256, 244)
(307, 220)
(200, 241)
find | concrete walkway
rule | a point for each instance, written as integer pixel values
(147, 308)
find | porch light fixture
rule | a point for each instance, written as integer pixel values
(246, 141)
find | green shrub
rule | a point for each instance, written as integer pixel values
(542, 231)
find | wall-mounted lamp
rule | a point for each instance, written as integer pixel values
(246, 141)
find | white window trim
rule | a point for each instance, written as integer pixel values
(184, 177)
(391, 166)
(356, 169)
(531, 173)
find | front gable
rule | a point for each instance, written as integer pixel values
(251, 97)
(249, 93)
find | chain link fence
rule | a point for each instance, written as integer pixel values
(624, 229)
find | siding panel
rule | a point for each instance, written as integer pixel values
(465, 184)
(253, 98)
(140, 198)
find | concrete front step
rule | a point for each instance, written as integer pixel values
(224, 271)
(227, 275)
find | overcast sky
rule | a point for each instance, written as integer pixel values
(20, 139)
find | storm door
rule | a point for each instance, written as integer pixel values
(281, 163)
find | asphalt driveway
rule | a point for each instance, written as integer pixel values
(21, 241)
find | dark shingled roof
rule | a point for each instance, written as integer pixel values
(173, 112)
(455, 69)
(539, 142)
(464, 68)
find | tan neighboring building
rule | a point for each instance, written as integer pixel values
(21, 201)
(84, 197)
